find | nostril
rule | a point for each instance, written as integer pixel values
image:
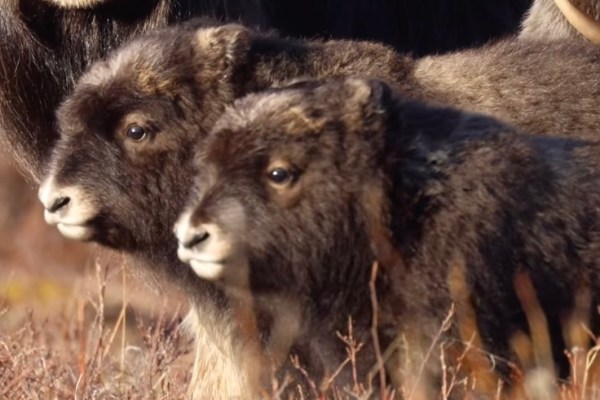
(59, 203)
(196, 239)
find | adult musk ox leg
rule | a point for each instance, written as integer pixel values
(42, 52)
(45, 48)
(30, 88)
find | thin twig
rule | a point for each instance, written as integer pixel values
(296, 363)
(375, 330)
(444, 327)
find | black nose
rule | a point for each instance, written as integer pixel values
(59, 203)
(196, 239)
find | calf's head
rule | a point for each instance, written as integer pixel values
(282, 175)
(120, 172)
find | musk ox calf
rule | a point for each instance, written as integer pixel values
(123, 167)
(293, 183)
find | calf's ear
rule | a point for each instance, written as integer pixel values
(364, 103)
(220, 49)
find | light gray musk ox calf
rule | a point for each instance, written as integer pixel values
(294, 183)
(122, 169)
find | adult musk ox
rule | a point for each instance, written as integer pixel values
(562, 19)
(122, 168)
(45, 45)
(121, 171)
(294, 183)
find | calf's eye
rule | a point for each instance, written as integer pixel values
(136, 132)
(280, 176)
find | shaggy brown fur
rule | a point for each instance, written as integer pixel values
(465, 202)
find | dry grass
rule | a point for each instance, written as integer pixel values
(75, 328)
(80, 350)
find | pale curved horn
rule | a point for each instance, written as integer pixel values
(76, 3)
(586, 25)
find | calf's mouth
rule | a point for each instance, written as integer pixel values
(206, 247)
(70, 208)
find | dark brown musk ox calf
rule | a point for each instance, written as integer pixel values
(122, 169)
(294, 183)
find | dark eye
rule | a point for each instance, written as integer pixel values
(280, 175)
(136, 132)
